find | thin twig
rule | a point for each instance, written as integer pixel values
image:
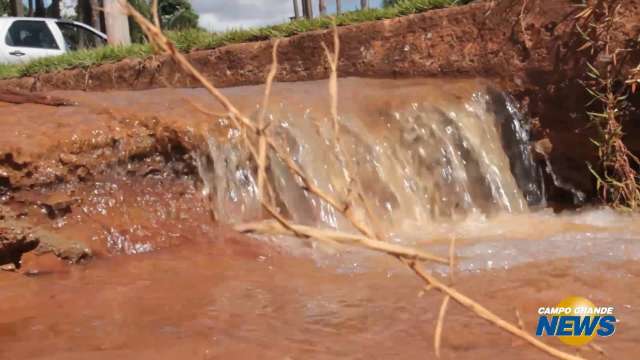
(262, 139)
(154, 12)
(452, 258)
(274, 228)
(157, 37)
(520, 321)
(437, 336)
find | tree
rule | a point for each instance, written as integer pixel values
(364, 4)
(307, 9)
(41, 10)
(177, 15)
(4, 7)
(89, 13)
(338, 7)
(322, 7)
(117, 23)
(17, 8)
(54, 9)
(296, 9)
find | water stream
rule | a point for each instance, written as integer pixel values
(436, 159)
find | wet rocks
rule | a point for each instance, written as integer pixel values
(17, 236)
(14, 241)
(64, 248)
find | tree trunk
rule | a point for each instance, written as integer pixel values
(31, 9)
(322, 7)
(54, 9)
(84, 7)
(90, 13)
(338, 7)
(364, 4)
(296, 9)
(310, 7)
(307, 9)
(17, 9)
(117, 23)
(41, 10)
(95, 14)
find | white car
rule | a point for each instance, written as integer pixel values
(25, 39)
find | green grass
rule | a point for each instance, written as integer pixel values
(193, 39)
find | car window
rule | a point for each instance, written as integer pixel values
(76, 37)
(30, 33)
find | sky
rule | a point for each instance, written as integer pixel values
(220, 15)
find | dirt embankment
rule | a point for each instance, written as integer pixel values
(528, 47)
(519, 43)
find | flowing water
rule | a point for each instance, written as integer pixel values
(436, 159)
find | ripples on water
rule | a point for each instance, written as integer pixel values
(437, 158)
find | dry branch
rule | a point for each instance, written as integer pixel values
(262, 127)
(437, 337)
(273, 228)
(154, 12)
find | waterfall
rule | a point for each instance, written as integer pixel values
(421, 152)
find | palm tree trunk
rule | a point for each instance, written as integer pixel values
(30, 13)
(364, 4)
(338, 7)
(322, 7)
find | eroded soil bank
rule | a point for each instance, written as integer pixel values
(527, 47)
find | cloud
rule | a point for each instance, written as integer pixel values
(220, 15)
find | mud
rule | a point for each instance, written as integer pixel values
(52, 158)
(527, 47)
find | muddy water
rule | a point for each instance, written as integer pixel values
(168, 282)
(229, 297)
